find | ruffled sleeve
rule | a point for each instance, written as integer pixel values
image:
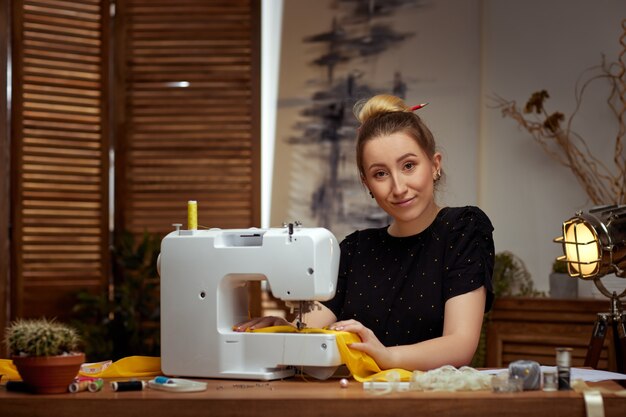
(469, 257)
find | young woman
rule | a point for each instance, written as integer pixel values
(415, 292)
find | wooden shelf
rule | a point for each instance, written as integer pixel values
(531, 328)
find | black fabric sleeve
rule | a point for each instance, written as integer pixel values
(470, 260)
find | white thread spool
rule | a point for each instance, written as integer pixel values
(563, 364)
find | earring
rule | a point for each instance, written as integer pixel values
(437, 175)
(371, 194)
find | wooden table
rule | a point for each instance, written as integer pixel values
(296, 397)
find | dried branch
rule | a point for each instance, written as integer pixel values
(553, 132)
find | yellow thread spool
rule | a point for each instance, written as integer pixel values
(192, 215)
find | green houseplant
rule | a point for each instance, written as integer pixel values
(561, 284)
(44, 353)
(126, 321)
(510, 279)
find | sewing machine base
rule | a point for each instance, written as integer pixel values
(255, 356)
(267, 375)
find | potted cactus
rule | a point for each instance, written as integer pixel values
(45, 354)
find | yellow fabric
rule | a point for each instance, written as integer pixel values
(8, 371)
(362, 366)
(130, 367)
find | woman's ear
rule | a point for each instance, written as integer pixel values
(436, 163)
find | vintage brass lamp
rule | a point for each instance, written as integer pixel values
(594, 245)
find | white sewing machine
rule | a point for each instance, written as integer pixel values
(204, 293)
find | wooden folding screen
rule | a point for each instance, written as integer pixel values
(60, 153)
(187, 113)
(185, 123)
(5, 163)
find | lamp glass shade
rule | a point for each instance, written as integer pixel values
(582, 249)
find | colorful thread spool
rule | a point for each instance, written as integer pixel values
(96, 385)
(78, 386)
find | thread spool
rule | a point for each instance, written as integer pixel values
(79, 386)
(192, 215)
(128, 386)
(550, 382)
(563, 364)
(162, 380)
(95, 385)
(17, 386)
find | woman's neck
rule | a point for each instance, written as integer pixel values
(416, 226)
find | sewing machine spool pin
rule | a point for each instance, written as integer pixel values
(290, 227)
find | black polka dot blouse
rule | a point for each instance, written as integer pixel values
(398, 286)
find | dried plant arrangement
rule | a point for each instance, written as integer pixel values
(552, 130)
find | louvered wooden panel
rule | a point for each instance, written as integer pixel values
(542, 349)
(532, 328)
(60, 153)
(190, 130)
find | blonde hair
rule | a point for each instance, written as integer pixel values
(382, 103)
(384, 115)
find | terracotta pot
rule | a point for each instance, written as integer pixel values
(49, 374)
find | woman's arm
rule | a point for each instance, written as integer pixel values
(463, 318)
(319, 317)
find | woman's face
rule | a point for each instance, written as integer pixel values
(401, 177)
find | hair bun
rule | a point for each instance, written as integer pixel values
(380, 104)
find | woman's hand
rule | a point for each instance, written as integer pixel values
(369, 342)
(260, 322)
